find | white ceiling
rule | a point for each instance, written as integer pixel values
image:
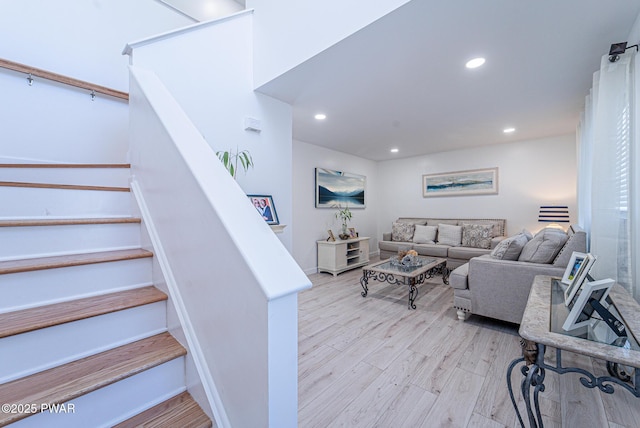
(401, 82)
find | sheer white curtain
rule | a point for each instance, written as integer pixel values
(605, 170)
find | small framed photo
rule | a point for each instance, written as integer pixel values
(331, 237)
(265, 206)
(582, 309)
(579, 266)
(352, 232)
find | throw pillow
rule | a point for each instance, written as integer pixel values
(544, 247)
(402, 232)
(425, 234)
(526, 233)
(510, 248)
(477, 235)
(449, 234)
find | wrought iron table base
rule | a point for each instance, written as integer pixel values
(412, 282)
(534, 374)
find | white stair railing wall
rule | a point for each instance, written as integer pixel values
(233, 283)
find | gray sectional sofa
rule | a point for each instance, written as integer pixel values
(476, 237)
(497, 285)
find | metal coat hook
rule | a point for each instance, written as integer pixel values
(30, 80)
(93, 95)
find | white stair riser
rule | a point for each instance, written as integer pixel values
(44, 241)
(106, 406)
(118, 177)
(42, 349)
(36, 288)
(26, 202)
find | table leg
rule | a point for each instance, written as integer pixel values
(534, 375)
(364, 281)
(413, 293)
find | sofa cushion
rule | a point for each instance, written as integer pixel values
(449, 234)
(510, 248)
(394, 246)
(577, 242)
(458, 278)
(425, 234)
(544, 247)
(433, 250)
(477, 235)
(466, 253)
(402, 232)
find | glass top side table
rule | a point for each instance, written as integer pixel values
(542, 326)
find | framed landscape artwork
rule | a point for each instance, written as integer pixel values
(461, 183)
(339, 189)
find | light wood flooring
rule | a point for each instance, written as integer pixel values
(371, 362)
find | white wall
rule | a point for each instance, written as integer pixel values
(282, 43)
(81, 39)
(209, 72)
(311, 224)
(531, 173)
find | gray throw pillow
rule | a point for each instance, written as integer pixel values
(449, 234)
(477, 235)
(544, 247)
(510, 248)
(425, 234)
(402, 232)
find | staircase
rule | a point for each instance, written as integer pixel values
(83, 331)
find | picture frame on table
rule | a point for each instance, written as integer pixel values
(331, 237)
(582, 309)
(576, 272)
(265, 206)
(352, 232)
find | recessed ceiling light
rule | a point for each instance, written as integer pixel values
(475, 63)
(394, 150)
(320, 116)
(508, 130)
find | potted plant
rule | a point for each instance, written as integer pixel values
(230, 160)
(344, 214)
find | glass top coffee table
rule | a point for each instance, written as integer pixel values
(410, 275)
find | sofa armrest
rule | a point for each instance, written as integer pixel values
(500, 288)
(386, 236)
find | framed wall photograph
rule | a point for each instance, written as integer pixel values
(265, 206)
(577, 270)
(461, 183)
(582, 309)
(339, 189)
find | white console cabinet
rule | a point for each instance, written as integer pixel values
(341, 255)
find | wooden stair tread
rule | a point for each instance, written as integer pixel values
(62, 186)
(27, 265)
(179, 411)
(71, 380)
(65, 165)
(25, 320)
(68, 221)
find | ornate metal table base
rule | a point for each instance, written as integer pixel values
(534, 374)
(412, 282)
